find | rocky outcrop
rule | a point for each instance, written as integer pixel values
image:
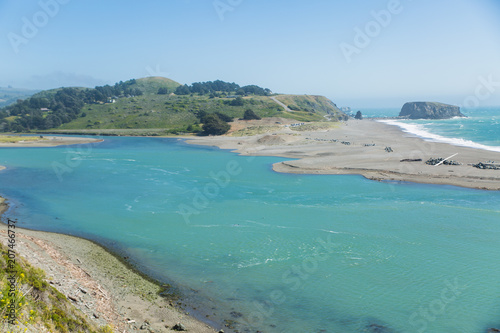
(429, 110)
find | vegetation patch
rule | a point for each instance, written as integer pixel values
(39, 307)
(15, 139)
(316, 126)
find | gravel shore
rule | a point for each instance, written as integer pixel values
(101, 285)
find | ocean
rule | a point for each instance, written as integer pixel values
(480, 129)
(278, 252)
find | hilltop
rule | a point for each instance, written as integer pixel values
(157, 106)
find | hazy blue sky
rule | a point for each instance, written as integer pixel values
(417, 50)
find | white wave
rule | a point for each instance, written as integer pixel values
(422, 132)
(165, 171)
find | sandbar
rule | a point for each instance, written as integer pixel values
(365, 147)
(43, 141)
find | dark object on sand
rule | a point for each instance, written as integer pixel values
(489, 166)
(440, 160)
(179, 327)
(411, 160)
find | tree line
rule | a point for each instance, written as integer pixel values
(213, 88)
(48, 110)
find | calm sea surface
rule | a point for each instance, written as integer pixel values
(277, 252)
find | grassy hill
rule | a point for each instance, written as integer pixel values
(140, 110)
(150, 85)
(168, 112)
(305, 107)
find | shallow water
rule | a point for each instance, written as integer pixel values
(290, 253)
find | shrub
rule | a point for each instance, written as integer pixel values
(213, 125)
(250, 115)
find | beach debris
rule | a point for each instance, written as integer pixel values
(489, 166)
(96, 316)
(236, 314)
(376, 328)
(179, 327)
(221, 331)
(347, 143)
(82, 290)
(389, 149)
(411, 160)
(369, 145)
(440, 160)
(130, 321)
(73, 299)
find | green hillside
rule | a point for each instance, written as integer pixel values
(171, 113)
(303, 107)
(150, 85)
(155, 106)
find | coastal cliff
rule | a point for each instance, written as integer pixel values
(429, 110)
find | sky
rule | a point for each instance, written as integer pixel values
(363, 54)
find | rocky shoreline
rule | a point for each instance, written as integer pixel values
(100, 284)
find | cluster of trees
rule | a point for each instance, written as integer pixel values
(217, 123)
(120, 89)
(32, 113)
(213, 87)
(50, 110)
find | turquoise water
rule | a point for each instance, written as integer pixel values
(274, 252)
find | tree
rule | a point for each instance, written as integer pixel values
(238, 101)
(250, 115)
(224, 117)
(213, 125)
(162, 91)
(201, 115)
(358, 115)
(182, 90)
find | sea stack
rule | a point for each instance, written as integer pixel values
(429, 110)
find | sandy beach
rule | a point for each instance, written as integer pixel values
(365, 147)
(43, 141)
